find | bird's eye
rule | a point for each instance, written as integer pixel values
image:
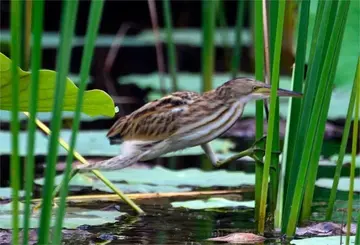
(254, 88)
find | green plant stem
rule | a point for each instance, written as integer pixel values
(353, 159)
(306, 110)
(170, 43)
(357, 235)
(26, 34)
(344, 141)
(259, 75)
(280, 197)
(63, 62)
(208, 49)
(295, 104)
(34, 86)
(93, 21)
(269, 140)
(319, 136)
(15, 24)
(238, 30)
(325, 84)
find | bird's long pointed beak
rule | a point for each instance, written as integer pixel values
(280, 92)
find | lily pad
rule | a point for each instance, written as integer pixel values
(181, 36)
(347, 159)
(96, 102)
(344, 183)
(186, 177)
(330, 240)
(214, 202)
(5, 193)
(74, 217)
(82, 181)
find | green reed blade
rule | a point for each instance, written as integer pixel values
(274, 174)
(353, 158)
(38, 10)
(238, 31)
(92, 31)
(280, 194)
(295, 104)
(315, 34)
(15, 25)
(275, 74)
(259, 75)
(344, 141)
(208, 49)
(307, 102)
(324, 85)
(63, 61)
(26, 34)
(273, 17)
(320, 132)
(357, 236)
(170, 43)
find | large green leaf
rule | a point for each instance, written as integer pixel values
(96, 102)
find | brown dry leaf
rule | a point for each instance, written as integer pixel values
(238, 237)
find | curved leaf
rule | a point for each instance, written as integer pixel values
(96, 102)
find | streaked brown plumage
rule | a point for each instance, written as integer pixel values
(181, 120)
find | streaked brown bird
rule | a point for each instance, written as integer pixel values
(181, 120)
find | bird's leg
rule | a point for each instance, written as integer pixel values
(209, 152)
(115, 163)
(216, 162)
(251, 152)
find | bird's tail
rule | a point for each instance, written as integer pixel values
(114, 163)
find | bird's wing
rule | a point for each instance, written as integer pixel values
(156, 120)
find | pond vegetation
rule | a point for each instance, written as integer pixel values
(59, 96)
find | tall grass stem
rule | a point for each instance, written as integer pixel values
(63, 62)
(269, 140)
(38, 10)
(15, 25)
(355, 137)
(170, 43)
(344, 141)
(259, 75)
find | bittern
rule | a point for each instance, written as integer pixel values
(181, 120)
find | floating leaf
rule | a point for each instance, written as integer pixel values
(96, 102)
(214, 202)
(330, 240)
(5, 193)
(82, 181)
(186, 177)
(74, 217)
(344, 183)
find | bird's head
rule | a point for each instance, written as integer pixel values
(247, 89)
